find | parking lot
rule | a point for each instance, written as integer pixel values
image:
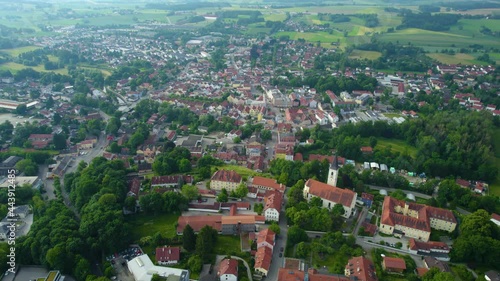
(119, 262)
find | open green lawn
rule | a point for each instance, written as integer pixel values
(15, 67)
(456, 59)
(17, 51)
(360, 54)
(147, 225)
(331, 261)
(227, 245)
(323, 37)
(396, 145)
(243, 171)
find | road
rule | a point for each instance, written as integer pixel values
(278, 261)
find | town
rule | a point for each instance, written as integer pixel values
(172, 152)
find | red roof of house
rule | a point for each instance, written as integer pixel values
(394, 263)
(269, 183)
(463, 183)
(263, 258)
(495, 216)
(367, 196)
(228, 266)
(366, 149)
(198, 222)
(166, 254)
(135, 186)
(427, 246)
(227, 176)
(273, 200)
(266, 235)
(421, 271)
(331, 193)
(362, 268)
(159, 180)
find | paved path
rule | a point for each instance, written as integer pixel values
(417, 194)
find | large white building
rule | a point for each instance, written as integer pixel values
(142, 268)
(331, 195)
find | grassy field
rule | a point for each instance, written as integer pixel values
(495, 186)
(15, 67)
(456, 59)
(17, 51)
(148, 225)
(243, 171)
(360, 54)
(227, 245)
(396, 146)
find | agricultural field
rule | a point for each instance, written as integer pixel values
(360, 54)
(456, 59)
(17, 51)
(323, 37)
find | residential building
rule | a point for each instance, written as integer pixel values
(267, 184)
(331, 195)
(431, 262)
(168, 255)
(86, 144)
(40, 140)
(142, 268)
(8, 165)
(272, 206)
(439, 250)
(495, 218)
(266, 238)
(367, 199)
(263, 258)
(171, 181)
(238, 224)
(225, 179)
(393, 264)
(228, 270)
(361, 268)
(414, 220)
(492, 275)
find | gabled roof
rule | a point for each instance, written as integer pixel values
(362, 268)
(266, 235)
(227, 176)
(266, 182)
(331, 193)
(166, 254)
(395, 263)
(228, 266)
(263, 258)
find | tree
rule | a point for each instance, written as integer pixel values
(190, 191)
(258, 208)
(114, 147)
(56, 120)
(49, 103)
(274, 227)
(338, 210)
(434, 274)
(59, 141)
(188, 238)
(195, 263)
(222, 196)
(302, 250)
(205, 241)
(373, 141)
(237, 140)
(297, 235)
(266, 135)
(156, 277)
(27, 166)
(184, 166)
(21, 109)
(130, 203)
(241, 191)
(113, 126)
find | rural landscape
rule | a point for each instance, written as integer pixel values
(250, 140)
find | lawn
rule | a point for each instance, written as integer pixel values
(17, 51)
(147, 225)
(323, 37)
(456, 59)
(243, 171)
(396, 146)
(15, 67)
(331, 261)
(227, 245)
(360, 54)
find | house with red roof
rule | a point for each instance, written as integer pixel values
(360, 268)
(331, 196)
(168, 255)
(495, 218)
(265, 238)
(272, 206)
(228, 270)
(393, 264)
(40, 140)
(225, 179)
(267, 184)
(263, 258)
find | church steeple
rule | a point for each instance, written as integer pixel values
(333, 172)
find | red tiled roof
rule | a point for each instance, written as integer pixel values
(427, 246)
(166, 254)
(227, 176)
(331, 193)
(362, 268)
(266, 182)
(198, 222)
(263, 258)
(266, 235)
(228, 266)
(394, 263)
(463, 183)
(421, 271)
(273, 200)
(285, 274)
(159, 180)
(495, 216)
(367, 196)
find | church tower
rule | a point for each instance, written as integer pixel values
(333, 172)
